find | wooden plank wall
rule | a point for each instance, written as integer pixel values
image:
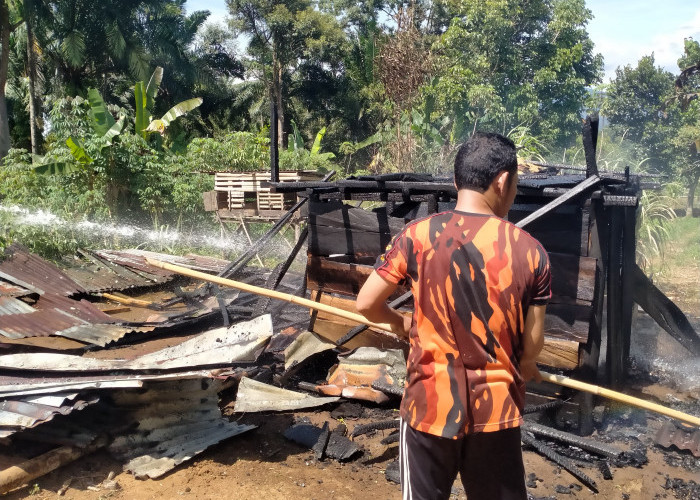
(344, 242)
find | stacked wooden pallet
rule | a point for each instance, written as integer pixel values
(249, 190)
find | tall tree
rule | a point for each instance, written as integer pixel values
(688, 137)
(283, 36)
(635, 106)
(506, 63)
(7, 26)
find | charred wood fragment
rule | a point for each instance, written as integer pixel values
(550, 405)
(319, 448)
(558, 459)
(391, 438)
(359, 430)
(605, 470)
(391, 390)
(568, 438)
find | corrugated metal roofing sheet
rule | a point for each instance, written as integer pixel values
(8, 289)
(240, 343)
(97, 274)
(683, 438)
(36, 274)
(10, 305)
(176, 421)
(51, 315)
(16, 415)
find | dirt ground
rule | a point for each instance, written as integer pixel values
(263, 464)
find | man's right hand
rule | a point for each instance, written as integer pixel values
(529, 370)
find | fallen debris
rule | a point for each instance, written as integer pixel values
(254, 396)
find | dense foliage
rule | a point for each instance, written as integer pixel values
(124, 108)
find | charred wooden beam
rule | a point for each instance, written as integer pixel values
(571, 439)
(590, 141)
(589, 183)
(560, 460)
(666, 314)
(359, 430)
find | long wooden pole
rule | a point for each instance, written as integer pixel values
(548, 377)
(619, 396)
(270, 293)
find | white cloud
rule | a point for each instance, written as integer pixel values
(623, 46)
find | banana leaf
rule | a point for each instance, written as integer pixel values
(176, 111)
(317, 141)
(55, 168)
(153, 86)
(141, 109)
(78, 151)
(102, 119)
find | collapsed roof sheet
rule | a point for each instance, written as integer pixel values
(253, 396)
(239, 343)
(96, 274)
(18, 414)
(176, 421)
(51, 315)
(34, 273)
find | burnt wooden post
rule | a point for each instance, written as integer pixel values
(274, 148)
(590, 141)
(592, 246)
(629, 263)
(615, 353)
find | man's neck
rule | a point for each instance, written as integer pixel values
(474, 202)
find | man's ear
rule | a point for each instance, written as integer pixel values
(501, 181)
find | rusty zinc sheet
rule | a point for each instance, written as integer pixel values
(135, 263)
(35, 274)
(96, 274)
(190, 261)
(683, 438)
(239, 343)
(173, 422)
(16, 415)
(51, 315)
(8, 289)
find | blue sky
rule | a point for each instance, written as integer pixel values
(622, 30)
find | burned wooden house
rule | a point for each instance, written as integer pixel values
(584, 218)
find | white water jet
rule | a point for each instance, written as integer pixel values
(124, 235)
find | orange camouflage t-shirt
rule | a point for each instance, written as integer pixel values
(473, 277)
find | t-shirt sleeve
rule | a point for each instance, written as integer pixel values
(392, 264)
(542, 289)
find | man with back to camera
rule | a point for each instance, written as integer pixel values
(480, 287)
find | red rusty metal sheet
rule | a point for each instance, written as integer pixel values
(684, 438)
(36, 274)
(8, 289)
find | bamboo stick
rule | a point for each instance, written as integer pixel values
(129, 301)
(17, 475)
(548, 377)
(619, 396)
(270, 293)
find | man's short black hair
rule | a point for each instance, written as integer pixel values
(481, 158)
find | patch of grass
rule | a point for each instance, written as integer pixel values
(679, 264)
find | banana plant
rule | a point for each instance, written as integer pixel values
(103, 124)
(298, 143)
(144, 95)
